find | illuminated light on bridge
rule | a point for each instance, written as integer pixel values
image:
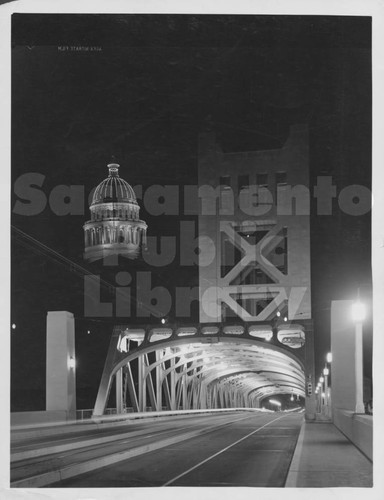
(358, 311)
(261, 332)
(292, 335)
(275, 402)
(71, 363)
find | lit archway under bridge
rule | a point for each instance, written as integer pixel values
(201, 366)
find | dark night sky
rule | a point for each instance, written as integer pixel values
(157, 82)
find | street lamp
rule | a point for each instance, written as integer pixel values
(321, 388)
(358, 313)
(326, 373)
(329, 357)
(71, 363)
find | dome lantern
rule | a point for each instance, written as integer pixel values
(115, 227)
(113, 169)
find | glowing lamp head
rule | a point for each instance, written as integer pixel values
(325, 371)
(71, 363)
(163, 321)
(358, 311)
(329, 357)
(321, 379)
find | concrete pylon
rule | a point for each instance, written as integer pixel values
(343, 356)
(61, 364)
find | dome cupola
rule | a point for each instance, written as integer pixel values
(115, 227)
(113, 188)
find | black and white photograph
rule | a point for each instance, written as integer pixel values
(191, 271)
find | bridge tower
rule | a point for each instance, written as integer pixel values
(254, 227)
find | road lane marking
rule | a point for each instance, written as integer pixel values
(219, 452)
(274, 436)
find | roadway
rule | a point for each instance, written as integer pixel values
(226, 449)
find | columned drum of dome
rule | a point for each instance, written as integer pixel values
(115, 227)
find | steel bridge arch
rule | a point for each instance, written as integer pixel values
(166, 351)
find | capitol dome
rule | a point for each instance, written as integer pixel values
(115, 227)
(113, 188)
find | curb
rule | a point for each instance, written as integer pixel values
(292, 476)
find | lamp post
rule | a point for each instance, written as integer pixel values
(321, 391)
(317, 399)
(358, 316)
(326, 373)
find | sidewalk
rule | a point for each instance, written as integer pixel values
(324, 457)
